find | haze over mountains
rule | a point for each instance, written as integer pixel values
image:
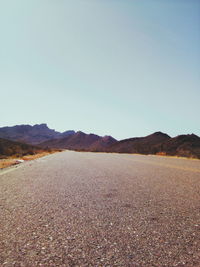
(156, 143)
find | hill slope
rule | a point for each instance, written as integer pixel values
(143, 145)
(31, 134)
(182, 145)
(9, 148)
(81, 141)
(160, 143)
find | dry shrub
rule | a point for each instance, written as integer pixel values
(161, 153)
(6, 162)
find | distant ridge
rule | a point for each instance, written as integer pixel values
(161, 144)
(31, 134)
(143, 145)
(81, 141)
(156, 143)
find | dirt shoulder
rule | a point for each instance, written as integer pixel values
(13, 160)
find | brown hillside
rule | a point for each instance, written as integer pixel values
(10, 148)
(81, 141)
(31, 134)
(182, 145)
(143, 145)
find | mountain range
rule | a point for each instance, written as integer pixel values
(31, 134)
(81, 141)
(160, 144)
(156, 143)
(142, 145)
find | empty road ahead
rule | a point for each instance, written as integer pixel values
(96, 209)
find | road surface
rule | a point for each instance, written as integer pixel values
(96, 209)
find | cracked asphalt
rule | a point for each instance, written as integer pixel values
(98, 209)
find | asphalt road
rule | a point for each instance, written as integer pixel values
(96, 209)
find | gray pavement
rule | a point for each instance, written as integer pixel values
(96, 209)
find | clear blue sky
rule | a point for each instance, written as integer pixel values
(120, 67)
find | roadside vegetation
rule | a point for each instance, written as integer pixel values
(16, 159)
(12, 153)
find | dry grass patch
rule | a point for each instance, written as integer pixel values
(13, 160)
(161, 154)
(4, 163)
(36, 156)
